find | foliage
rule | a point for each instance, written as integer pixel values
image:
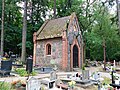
(103, 30)
(13, 23)
(116, 56)
(23, 72)
(83, 67)
(42, 87)
(72, 84)
(106, 80)
(5, 86)
(96, 23)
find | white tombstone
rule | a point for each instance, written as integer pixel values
(114, 65)
(117, 82)
(96, 76)
(111, 68)
(33, 84)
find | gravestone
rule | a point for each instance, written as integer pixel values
(53, 75)
(33, 84)
(96, 76)
(29, 65)
(48, 82)
(6, 66)
(85, 75)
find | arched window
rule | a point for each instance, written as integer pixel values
(48, 49)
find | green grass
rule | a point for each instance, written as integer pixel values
(5, 86)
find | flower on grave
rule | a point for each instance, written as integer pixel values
(4, 58)
(72, 84)
(18, 83)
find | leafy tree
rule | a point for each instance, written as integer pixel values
(54, 8)
(118, 14)
(103, 30)
(13, 25)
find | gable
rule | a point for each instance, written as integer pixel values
(73, 25)
(74, 30)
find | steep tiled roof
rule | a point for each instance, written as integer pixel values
(52, 28)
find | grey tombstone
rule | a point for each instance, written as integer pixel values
(33, 84)
(53, 75)
(96, 76)
(48, 82)
(85, 75)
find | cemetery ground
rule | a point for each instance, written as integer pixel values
(42, 78)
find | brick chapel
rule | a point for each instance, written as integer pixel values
(59, 41)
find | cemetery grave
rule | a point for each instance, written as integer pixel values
(44, 69)
(33, 84)
(84, 80)
(50, 82)
(6, 67)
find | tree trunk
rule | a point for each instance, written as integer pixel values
(23, 57)
(54, 8)
(2, 29)
(104, 54)
(118, 13)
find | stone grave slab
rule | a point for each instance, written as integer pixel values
(48, 82)
(53, 75)
(85, 76)
(33, 84)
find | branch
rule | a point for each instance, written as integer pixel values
(92, 2)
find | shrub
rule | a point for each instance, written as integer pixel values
(83, 67)
(106, 80)
(23, 72)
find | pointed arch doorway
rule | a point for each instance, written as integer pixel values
(75, 56)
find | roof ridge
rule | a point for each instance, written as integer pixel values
(60, 17)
